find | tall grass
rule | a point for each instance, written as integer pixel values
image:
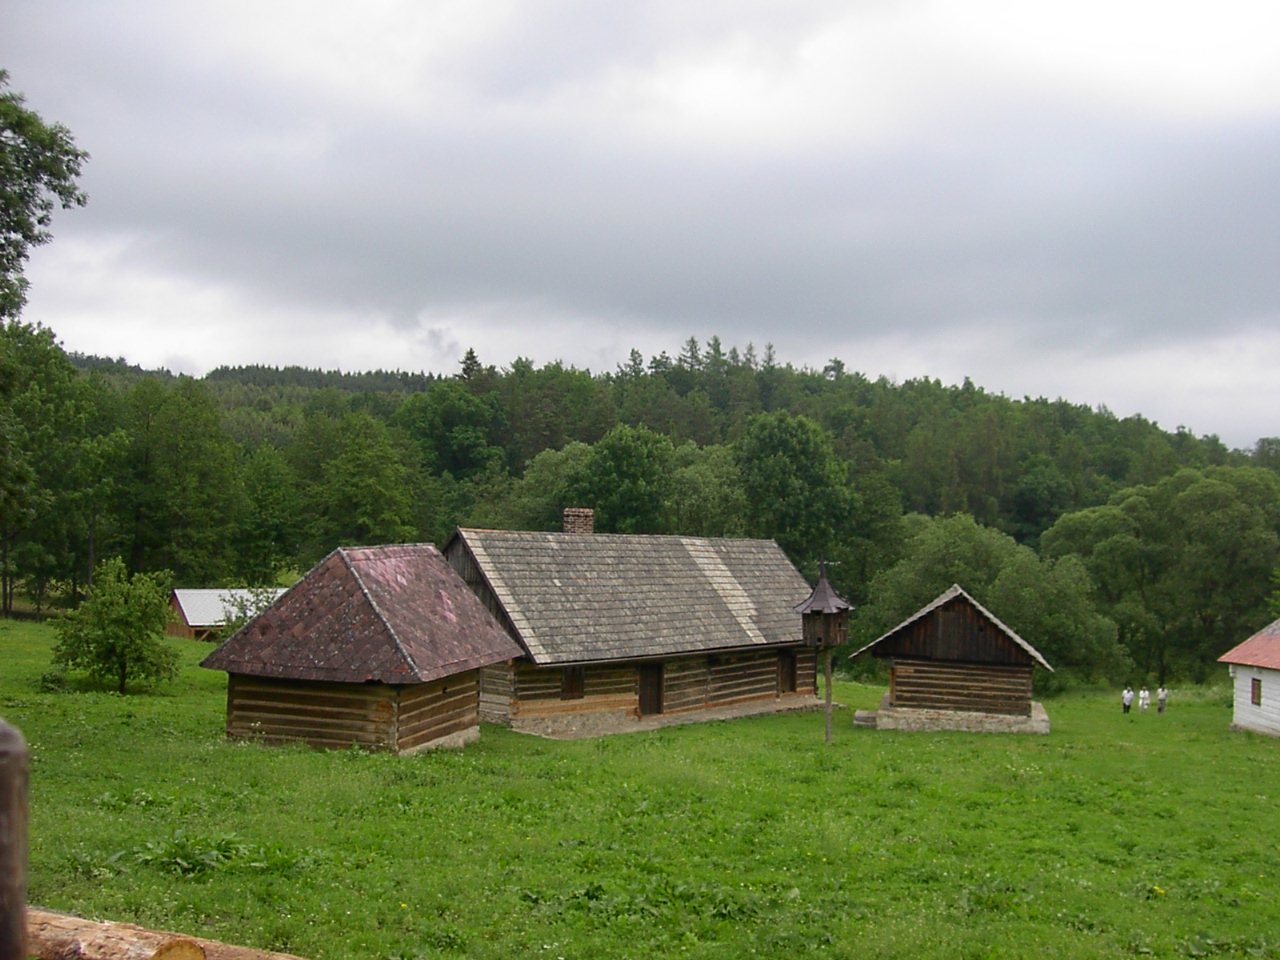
(1143, 835)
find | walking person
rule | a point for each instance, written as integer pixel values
(1162, 696)
(1144, 698)
(1126, 698)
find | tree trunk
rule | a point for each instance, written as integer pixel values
(58, 936)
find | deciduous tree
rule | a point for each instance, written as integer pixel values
(118, 633)
(39, 165)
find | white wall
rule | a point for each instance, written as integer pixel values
(1264, 718)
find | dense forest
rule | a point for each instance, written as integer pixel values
(1119, 549)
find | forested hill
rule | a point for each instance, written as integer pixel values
(253, 471)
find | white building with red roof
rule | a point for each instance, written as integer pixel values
(1255, 673)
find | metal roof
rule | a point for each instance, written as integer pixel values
(213, 607)
(581, 598)
(395, 614)
(1260, 650)
(946, 597)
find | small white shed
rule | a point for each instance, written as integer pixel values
(1255, 673)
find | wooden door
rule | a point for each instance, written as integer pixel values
(650, 688)
(786, 671)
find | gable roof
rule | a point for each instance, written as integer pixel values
(581, 598)
(395, 614)
(1260, 650)
(954, 592)
(213, 607)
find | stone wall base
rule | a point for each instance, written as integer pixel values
(450, 741)
(906, 718)
(607, 722)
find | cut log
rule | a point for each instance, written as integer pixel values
(60, 936)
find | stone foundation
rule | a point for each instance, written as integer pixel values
(606, 722)
(906, 718)
(450, 741)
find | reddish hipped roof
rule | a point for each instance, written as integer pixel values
(1260, 650)
(393, 614)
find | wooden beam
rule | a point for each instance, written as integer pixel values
(60, 936)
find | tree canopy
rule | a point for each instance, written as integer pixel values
(39, 166)
(245, 476)
(118, 633)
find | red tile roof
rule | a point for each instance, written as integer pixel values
(1260, 650)
(394, 614)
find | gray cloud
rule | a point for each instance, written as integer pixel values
(524, 175)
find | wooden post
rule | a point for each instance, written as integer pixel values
(13, 842)
(826, 676)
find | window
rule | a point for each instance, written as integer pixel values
(572, 683)
(1255, 691)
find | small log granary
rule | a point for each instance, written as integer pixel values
(378, 647)
(955, 656)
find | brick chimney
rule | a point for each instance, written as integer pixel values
(579, 520)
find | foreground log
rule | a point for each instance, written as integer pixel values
(59, 936)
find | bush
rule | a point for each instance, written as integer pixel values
(117, 634)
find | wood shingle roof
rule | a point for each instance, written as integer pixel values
(581, 598)
(393, 614)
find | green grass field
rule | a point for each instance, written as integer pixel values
(1114, 836)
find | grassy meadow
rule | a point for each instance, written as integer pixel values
(1114, 836)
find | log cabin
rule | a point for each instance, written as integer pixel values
(376, 647)
(1254, 666)
(201, 614)
(621, 631)
(954, 665)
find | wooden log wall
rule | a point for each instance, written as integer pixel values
(604, 687)
(497, 687)
(689, 683)
(329, 715)
(177, 626)
(956, 633)
(429, 711)
(984, 688)
(341, 715)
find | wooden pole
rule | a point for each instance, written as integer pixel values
(13, 842)
(826, 676)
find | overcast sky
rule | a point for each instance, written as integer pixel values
(1055, 199)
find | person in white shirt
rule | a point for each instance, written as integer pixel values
(1144, 699)
(1126, 698)
(1162, 695)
